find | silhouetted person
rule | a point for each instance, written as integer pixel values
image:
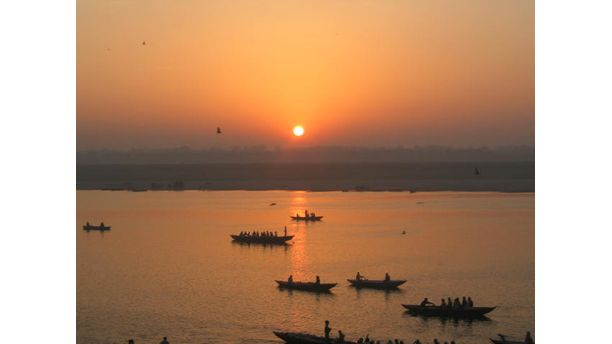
(164, 341)
(436, 341)
(290, 279)
(87, 224)
(327, 329)
(358, 277)
(464, 302)
(340, 337)
(131, 341)
(387, 277)
(442, 303)
(449, 302)
(417, 342)
(218, 130)
(528, 338)
(470, 302)
(426, 302)
(318, 280)
(456, 303)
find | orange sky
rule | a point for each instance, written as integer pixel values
(367, 73)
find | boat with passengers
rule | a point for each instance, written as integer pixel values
(305, 338)
(262, 237)
(448, 312)
(387, 283)
(308, 216)
(101, 227)
(316, 286)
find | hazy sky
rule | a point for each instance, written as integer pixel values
(448, 72)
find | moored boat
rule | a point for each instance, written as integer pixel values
(305, 338)
(306, 218)
(437, 311)
(307, 286)
(499, 341)
(89, 227)
(376, 284)
(277, 240)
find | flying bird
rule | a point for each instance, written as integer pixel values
(476, 171)
(218, 130)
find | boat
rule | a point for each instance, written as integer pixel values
(305, 338)
(376, 284)
(499, 341)
(307, 286)
(277, 240)
(306, 218)
(436, 311)
(96, 228)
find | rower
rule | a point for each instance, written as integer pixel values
(340, 337)
(327, 329)
(528, 338)
(290, 279)
(164, 341)
(387, 277)
(318, 280)
(426, 302)
(358, 276)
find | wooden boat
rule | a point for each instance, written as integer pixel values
(306, 218)
(499, 341)
(305, 338)
(307, 286)
(277, 240)
(376, 284)
(96, 228)
(436, 311)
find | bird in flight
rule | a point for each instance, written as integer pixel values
(476, 171)
(218, 130)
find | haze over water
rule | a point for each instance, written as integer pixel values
(169, 268)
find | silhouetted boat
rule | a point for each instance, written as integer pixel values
(499, 341)
(436, 311)
(262, 239)
(308, 286)
(376, 284)
(96, 228)
(306, 218)
(305, 338)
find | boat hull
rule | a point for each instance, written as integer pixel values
(499, 341)
(305, 338)
(307, 219)
(96, 228)
(280, 240)
(306, 286)
(472, 312)
(376, 284)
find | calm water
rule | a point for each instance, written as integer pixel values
(168, 267)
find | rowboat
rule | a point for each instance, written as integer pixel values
(276, 240)
(499, 341)
(376, 284)
(436, 311)
(306, 218)
(307, 286)
(305, 338)
(96, 228)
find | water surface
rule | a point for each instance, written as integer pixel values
(168, 266)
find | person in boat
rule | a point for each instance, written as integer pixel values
(290, 279)
(358, 277)
(456, 303)
(87, 224)
(528, 338)
(340, 337)
(130, 341)
(436, 341)
(470, 303)
(442, 303)
(417, 342)
(306, 213)
(327, 329)
(464, 303)
(101, 224)
(164, 341)
(387, 277)
(426, 302)
(318, 281)
(449, 303)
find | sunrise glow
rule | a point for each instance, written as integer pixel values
(298, 130)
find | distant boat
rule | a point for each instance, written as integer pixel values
(376, 284)
(96, 228)
(499, 341)
(262, 239)
(305, 338)
(307, 286)
(437, 311)
(306, 218)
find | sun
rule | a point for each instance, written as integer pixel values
(298, 130)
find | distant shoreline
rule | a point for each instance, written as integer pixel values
(389, 177)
